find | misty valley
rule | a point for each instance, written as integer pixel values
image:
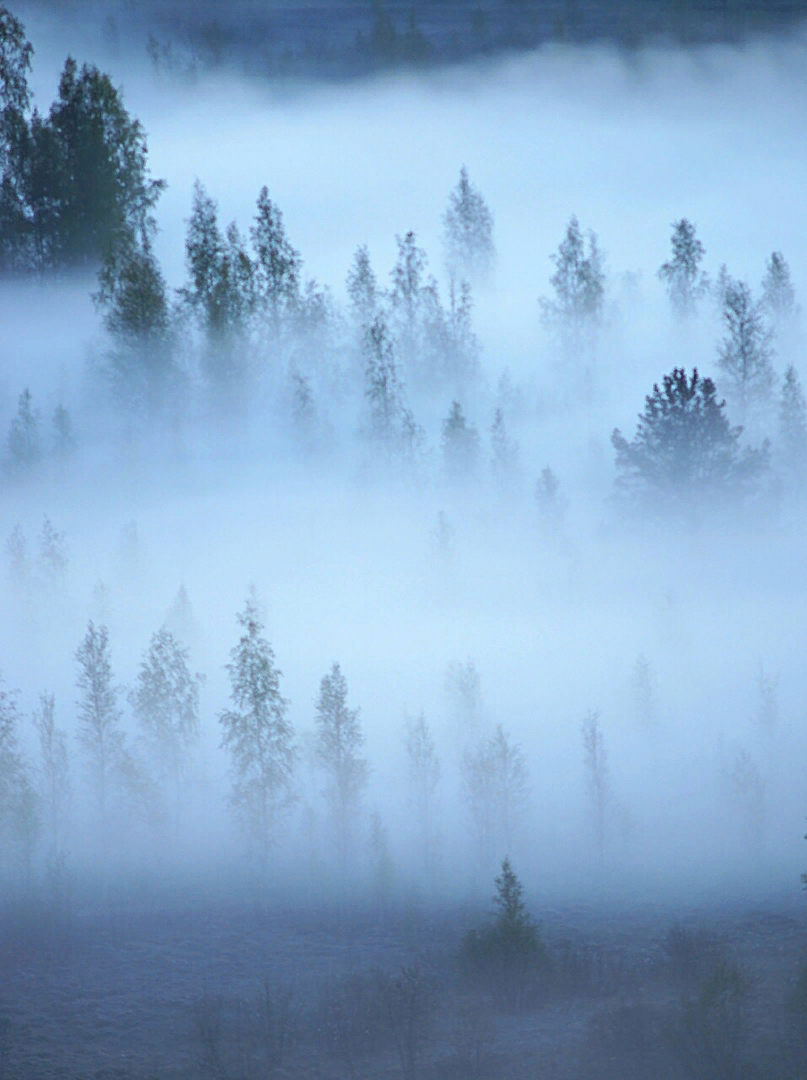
(404, 491)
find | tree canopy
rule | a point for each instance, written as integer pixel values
(685, 451)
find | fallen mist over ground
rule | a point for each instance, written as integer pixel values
(643, 673)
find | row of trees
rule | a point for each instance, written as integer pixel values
(145, 777)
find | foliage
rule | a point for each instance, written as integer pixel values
(408, 1003)
(277, 264)
(362, 289)
(685, 454)
(713, 1025)
(685, 282)
(258, 735)
(508, 956)
(468, 232)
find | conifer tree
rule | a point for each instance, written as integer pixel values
(99, 719)
(460, 445)
(468, 232)
(424, 770)
(575, 314)
(362, 289)
(685, 282)
(778, 294)
(55, 788)
(277, 264)
(339, 741)
(744, 355)
(793, 427)
(259, 737)
(595, 763)
(165, 701)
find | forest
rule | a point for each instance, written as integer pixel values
(402, 653)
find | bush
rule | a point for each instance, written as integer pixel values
(508, 957)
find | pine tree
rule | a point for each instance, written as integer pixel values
(99, 719)
(64, 442)
(259, 736)
(505, 457)
(53, 557)
(685, 282)
(165, 702)
(19, 810)
(463, 686)
(744, 355)
(685, 455)
(468, 233)
(407, 295)
(383, 391)
(339, 740)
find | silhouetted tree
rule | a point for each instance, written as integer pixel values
(468, 232)
(88, 184)
(406, 297)
(258, 736)
(508, 956)
(685, 454)
(339, 739)
(685, 282)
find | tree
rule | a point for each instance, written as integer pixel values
(362, 289)
(460, 445)
(423, 773)
(551, 503)
(793, 427)
(406, 298)
(468, 232)
(277, 264)
(24, 442)
(495, 783)
(575, 314)
(258, 736)
(99, 729)
(89, 189)
(464, 690)
(643, 686)
(744, 355)
(391, 426)
(778, 294)
(165, 701)
(64, 442)
(685, 455)
(685, 282)
(15, 63)
(53, 556)
(595, 764)
(220, 290)
(339, 739)
(508, 956)
(134, 298)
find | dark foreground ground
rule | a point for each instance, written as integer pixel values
(231, 993)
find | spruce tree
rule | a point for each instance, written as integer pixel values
(685, 282)
(793, 428)
(468, 232)
(259, 737)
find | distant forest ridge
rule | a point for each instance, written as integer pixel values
(346, 37)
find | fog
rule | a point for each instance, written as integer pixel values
(399, 573)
